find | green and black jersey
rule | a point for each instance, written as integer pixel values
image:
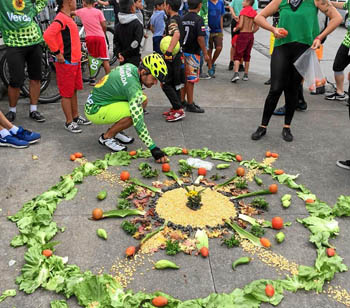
(122, 84)
(16, 22)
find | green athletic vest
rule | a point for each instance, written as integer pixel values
(302, 24)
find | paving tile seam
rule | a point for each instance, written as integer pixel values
(212, 276)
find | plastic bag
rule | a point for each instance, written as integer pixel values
(198, 163)
(308, 66)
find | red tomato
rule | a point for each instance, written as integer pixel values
(277, 223)
(202, 171)
(269, 290)
(166, 167)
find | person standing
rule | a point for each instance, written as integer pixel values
(204, 14)
(236, 7)
(157, 24)
(216, 11)
(299, 30)
(342, 59)
(116, 8)
(22, 37)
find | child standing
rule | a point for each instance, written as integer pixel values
(175, 78)
(95, 26)
(245, 40)
(128, 34)
(157, 24)
(194, 42)
(62, 37)
(216, 11)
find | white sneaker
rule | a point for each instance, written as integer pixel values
(72, 127)
(112, 144)
(123, 138)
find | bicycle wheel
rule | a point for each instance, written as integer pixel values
(109, 39)
(48, 87)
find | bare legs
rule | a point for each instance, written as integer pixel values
(118, 127)
(70, 107)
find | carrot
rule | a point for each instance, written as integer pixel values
(265, 242)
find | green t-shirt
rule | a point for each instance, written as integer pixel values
(122, 84)
(16, 22)
(302, 24)
(346, 41)
(204, 12)
(238, 6)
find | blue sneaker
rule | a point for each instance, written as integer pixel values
(13, 142)
(27, 135)
(280, 111)
(211, 72)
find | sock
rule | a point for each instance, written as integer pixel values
(14, 130)
(33, 108)
(4, 132)
(13, 109)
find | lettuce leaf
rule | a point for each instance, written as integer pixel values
(59, 304)
(256, 289)
(121, 158)
(342, 207)
(7, 293)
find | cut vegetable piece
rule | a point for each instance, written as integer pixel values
(244, 234)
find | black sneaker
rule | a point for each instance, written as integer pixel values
(287, 134)
(268, 82)
(241, 68)
(302, 106)
(11, 116)
(281, 111)
(81, 121)
(345, 164)
(194, 108)
(230, 66)
(36, 116)
(336, 97)
(261, 131)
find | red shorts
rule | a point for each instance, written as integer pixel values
(69, 79)
(97, 47)
(244, 46)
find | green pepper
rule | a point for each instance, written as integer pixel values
(162, 264)
(258, 180)
(102, 233)
(223, 166)
(239, 261)
(280, 237)
(102, 195)
(286, 200)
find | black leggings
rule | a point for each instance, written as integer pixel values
(284, 78)
(342, 59)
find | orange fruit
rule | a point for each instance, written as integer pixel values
(269, 290)
(277, 223)
(47, 253)
(240, 171)
(166, 167)
(124, 175)
(202, 171)
(97, 213)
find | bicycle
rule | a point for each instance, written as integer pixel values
(48, 86)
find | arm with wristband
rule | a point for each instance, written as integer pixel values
(136, 111)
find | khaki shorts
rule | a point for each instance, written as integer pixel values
(215, 40)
